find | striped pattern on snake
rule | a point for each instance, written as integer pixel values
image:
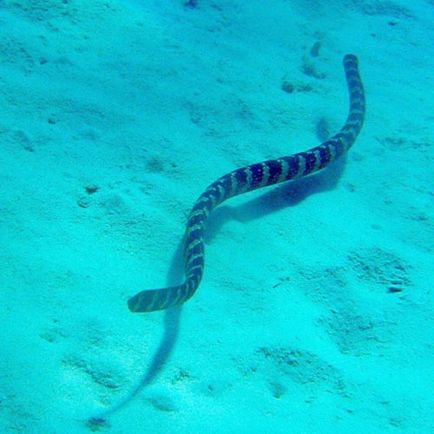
(250, 178)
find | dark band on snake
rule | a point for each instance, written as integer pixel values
(251, 178)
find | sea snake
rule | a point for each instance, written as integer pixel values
(250, 178)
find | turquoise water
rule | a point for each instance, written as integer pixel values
(315, 313)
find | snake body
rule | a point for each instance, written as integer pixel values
(250, 178)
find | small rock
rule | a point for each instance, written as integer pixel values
(288, 87)
(91, 188)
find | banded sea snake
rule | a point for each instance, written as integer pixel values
(250, 178)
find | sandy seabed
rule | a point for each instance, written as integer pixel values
(316, 311)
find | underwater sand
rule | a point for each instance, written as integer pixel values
(316, 311)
